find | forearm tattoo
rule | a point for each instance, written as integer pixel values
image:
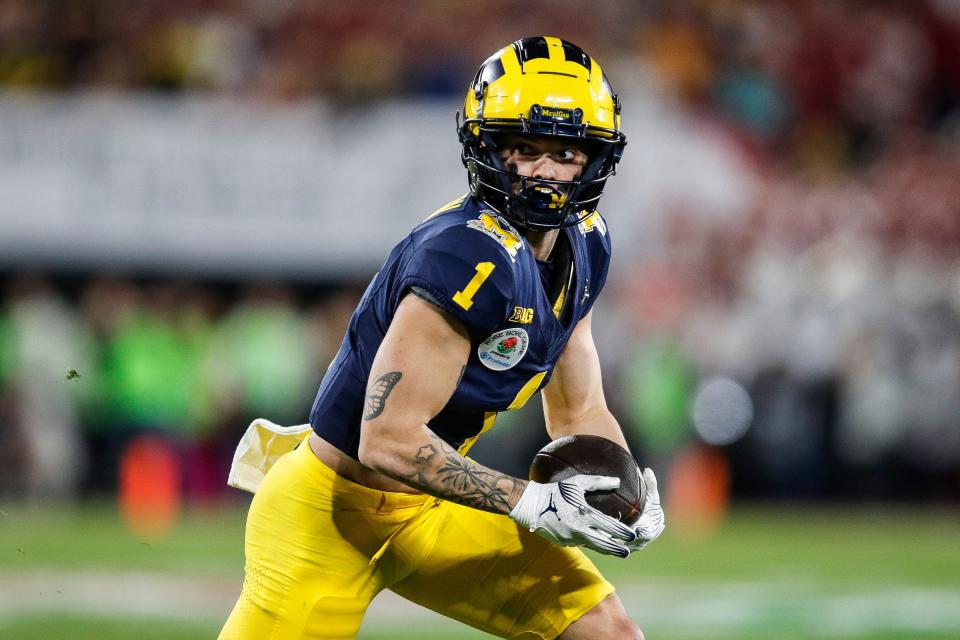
(378, 391)
(442, 472)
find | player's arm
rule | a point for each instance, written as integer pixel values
(415, 372)
(573, 401)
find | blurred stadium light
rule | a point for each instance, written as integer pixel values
(721, 411)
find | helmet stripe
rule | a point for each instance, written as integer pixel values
(573, 53)
(554, 48)
(531, 48)
(489, 73)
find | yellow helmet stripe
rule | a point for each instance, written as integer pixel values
(555, 49)
(510, 60)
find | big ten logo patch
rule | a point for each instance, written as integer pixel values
(522, 315)
(499, 231)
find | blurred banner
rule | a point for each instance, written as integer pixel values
(193, 184)
(199, 184)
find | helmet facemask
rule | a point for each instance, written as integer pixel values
(537, 204)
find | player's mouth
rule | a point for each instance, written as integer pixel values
(542, 196)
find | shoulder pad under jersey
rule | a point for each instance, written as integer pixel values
(596, 238)
(467, 268)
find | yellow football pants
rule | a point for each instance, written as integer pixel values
(320, 547)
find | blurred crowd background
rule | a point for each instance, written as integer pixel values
(783, 317)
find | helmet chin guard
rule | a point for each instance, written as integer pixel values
(541, 87)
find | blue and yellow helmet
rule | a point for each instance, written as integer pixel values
(548, 87)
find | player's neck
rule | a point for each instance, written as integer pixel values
(541, 242)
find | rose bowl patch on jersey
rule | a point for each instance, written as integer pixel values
(503, 349)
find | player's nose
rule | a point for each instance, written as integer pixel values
(545, 167)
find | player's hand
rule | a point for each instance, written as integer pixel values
(651, 523)
(559, 512)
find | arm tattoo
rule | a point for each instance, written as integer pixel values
(378, 391)
(444, 473)
(424, 453)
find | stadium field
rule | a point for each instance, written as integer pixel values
(789, 573)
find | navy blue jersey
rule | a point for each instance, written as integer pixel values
(470, 262)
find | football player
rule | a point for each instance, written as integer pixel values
(482, 305)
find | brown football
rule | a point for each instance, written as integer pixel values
(596, 456)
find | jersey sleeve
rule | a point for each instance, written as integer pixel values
(466, 274)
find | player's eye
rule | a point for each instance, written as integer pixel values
(567, 155)
(524, 149)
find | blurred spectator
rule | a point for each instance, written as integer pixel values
(50, 350)
(151, 366)
(263, 364)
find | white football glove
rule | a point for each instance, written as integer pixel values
(559, 512)
(651, 523)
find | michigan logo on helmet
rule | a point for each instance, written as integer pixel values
(547, 87)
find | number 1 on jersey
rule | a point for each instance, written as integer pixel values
(465, 298)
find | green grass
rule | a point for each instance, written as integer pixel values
(60, 627)
(788, 573)
(205, 541)
(841, 546)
